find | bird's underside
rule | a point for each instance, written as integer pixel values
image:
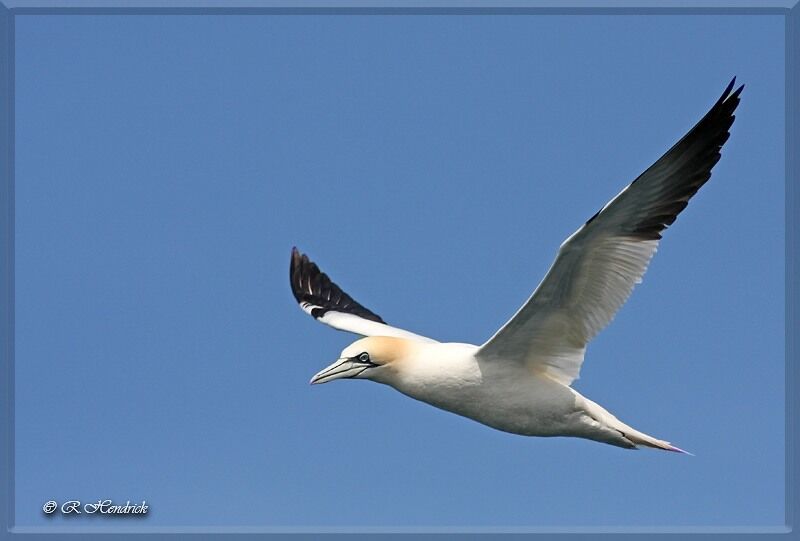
(520, 380)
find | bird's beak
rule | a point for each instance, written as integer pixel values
(341, 368)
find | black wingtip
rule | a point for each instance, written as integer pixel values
(295, 262)
(684, 168)
(730, 86)
(295, 278)
(313, 287)
(727, 95)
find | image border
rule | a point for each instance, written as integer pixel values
(10, 9)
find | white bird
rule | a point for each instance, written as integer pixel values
(519, 381)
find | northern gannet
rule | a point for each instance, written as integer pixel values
(519, 381)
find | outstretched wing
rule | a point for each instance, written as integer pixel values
(318, 296)
(597, 266)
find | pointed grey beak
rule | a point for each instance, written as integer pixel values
(341, 368)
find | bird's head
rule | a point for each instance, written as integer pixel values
(374, 357)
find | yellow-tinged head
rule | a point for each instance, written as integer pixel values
(368, 358)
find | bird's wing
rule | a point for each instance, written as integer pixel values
(598, 265)
(318, 296)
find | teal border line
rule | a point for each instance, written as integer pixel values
(685, 5)
(792, 249)
(7, 261)
(602, 7)
(399, 11)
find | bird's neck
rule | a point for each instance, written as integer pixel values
(433, 369)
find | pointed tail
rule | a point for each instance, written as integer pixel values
(642, 439)
(630, 434)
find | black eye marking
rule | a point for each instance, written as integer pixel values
(364, 357)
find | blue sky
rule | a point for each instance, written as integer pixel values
(432, 165)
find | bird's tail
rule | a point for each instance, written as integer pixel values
(644, 440)
(629, 434)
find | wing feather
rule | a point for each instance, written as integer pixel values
(326, 302)
(597, 267)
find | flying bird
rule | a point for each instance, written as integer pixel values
(520, 380)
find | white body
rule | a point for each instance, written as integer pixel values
(503, 395)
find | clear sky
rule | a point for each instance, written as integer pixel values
(431, 165)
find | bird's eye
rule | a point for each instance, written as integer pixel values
(364, 357)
